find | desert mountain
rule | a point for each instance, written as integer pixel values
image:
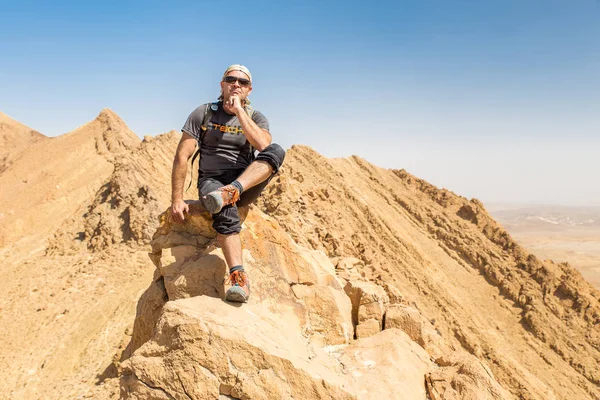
(368, 283)
(54, 177)
(14, 139)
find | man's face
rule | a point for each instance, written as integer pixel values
(236, 88)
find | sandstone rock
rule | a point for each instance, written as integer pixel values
(368, 328)
(410, 321)
(463, 376)
(319, 271)
(329, 312)
(192, 273)
(394, 294)
(148, 311)
(295, 310)
(369, 301)
(283, 275)
(388, 365)
(373, 310)
(196, 230)
(204, 347)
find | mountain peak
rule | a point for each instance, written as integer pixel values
(108, 114)
(14, 139)
(111, 133)
(111, 120)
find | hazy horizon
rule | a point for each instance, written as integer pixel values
(498, 100)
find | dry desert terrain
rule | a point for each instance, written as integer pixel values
(559, 233)
(367, 283)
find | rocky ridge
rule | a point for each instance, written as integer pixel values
(366, 282)
(295, 339)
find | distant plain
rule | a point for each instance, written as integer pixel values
(559, 233)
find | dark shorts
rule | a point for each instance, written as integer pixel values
(227, 221)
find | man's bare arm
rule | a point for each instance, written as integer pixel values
(259, 138)
(185, 150)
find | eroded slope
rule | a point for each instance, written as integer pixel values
(536, 324)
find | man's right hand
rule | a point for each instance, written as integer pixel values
(178, 210)
(185, 149)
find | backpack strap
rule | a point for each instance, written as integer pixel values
(208, 113)
(210, 109)
(250, 112)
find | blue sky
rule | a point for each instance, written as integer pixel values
(498, 100)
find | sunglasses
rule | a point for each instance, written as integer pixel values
(232, 79)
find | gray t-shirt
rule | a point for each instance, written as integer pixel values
(224, 145)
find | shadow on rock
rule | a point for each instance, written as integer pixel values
(111, 371)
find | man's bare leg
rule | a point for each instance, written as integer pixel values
(232, 248)
(240, 285)
(256, 173)
(231, 244)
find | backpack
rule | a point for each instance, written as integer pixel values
(209, 111)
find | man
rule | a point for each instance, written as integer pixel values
(230, 175)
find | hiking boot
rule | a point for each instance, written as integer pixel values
(217, 199)
(240, 287)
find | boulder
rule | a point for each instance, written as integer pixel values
(204, 347)
(387, 365)
(417, 327)
(283, 275)
(462, 376)
(193, 273)
(369, 302)
(329, 313)
(368, 328)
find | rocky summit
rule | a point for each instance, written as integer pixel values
(367, 283)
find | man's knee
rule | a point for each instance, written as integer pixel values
(207, 185)
(274, 155)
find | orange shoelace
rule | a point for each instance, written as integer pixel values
(237, 278)
(233, 195)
